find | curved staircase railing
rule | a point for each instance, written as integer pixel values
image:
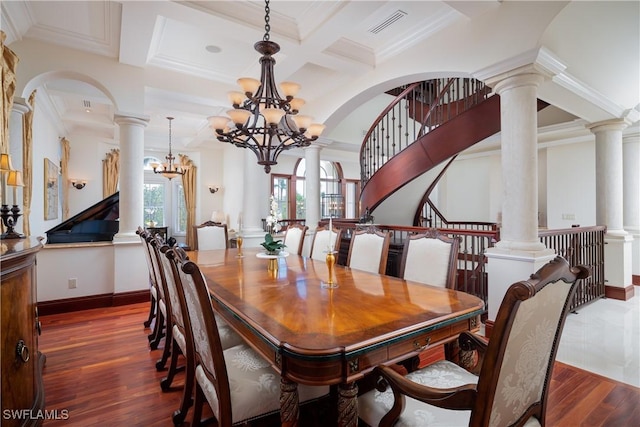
(416, 110)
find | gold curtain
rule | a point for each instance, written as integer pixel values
(64, 170)
(9, 64)
(110, 173)
(189, 186)
(27, 163)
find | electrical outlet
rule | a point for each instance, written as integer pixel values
(73, 283)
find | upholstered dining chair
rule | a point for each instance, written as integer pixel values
(211, 235)
(237, 383)
(369, 250)
(509, 383)
(153, 292)
(181, 344)
(294, 238)
(159, 327)
(323, 240)
(430, 258)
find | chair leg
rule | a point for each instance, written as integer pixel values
(166, 382)
(187, 394)
(158, 331)
(152, 311)
(161, 364)
(197, 407)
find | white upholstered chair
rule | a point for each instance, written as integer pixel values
(430, 258)
(323, 240)
(509, 383)
(369, 250)
(237, 383)
(181, 344)
(211, 235)
(294, 238)
(153, 291)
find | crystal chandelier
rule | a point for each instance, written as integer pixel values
(169, 169)
(264, 122)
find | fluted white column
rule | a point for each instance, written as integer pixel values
(312, 185)
(131, 180)
(631, 195)
(519, 253)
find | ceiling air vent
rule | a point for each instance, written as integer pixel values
(394, 17)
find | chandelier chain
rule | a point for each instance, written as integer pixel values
(267, 27)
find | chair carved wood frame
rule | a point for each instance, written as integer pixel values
(451, 262)
(210, 224)
(514, 368)
(296, 228)
(386, 240)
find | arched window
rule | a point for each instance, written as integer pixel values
(292, 203)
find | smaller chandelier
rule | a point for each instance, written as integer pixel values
(263, 121)
(169, 169)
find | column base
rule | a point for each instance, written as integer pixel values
(505, 267)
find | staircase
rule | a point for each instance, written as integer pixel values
(425, 125)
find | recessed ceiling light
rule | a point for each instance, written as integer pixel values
(213, 49)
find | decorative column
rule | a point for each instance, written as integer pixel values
(131, 180)
(255, 200)
(609, 208)
(519, 253)
(631, 196)
(312, 186)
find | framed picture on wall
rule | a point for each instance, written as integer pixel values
(51, 183)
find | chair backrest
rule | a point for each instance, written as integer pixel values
(369, 250)
(206, 339)
(143, 237)
(430, 258)
(323, 240)
(516, 371)
(171, 286)
(294, 238)
(211, 235)
(157, 268)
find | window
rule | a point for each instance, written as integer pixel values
(164, 201)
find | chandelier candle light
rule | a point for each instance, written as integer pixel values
(264, 122)
(169, 169)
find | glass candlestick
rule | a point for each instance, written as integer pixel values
(331, 261)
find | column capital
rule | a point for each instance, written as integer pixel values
(523, 76)
(20, 106)
(608, 125)
(131, 119)
(313, 147)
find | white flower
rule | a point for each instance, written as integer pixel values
(274, 215)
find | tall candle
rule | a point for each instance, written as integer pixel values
(330, 225)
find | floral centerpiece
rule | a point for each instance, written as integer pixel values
(273, 247)
(274, 218)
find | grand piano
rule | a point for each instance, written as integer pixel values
(98, 223)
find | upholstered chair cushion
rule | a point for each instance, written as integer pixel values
(322, 242)
(294, 239)
(254, 385)
(212, 237)
(428, 261)
(373, 405)
(366, 250)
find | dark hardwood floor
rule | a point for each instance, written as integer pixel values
(100, 368)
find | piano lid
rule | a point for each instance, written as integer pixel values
(97, 223)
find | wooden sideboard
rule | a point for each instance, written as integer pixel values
(21, 362)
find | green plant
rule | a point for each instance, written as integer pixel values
(272, 246)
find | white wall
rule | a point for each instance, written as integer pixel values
(571, 179)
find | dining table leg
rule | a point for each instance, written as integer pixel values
(348, 405)
(289, 408)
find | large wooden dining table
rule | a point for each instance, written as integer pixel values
(324, 336)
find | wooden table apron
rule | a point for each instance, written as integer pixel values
(318, 336)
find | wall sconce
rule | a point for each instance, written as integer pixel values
(78, 184)
(213, 189)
